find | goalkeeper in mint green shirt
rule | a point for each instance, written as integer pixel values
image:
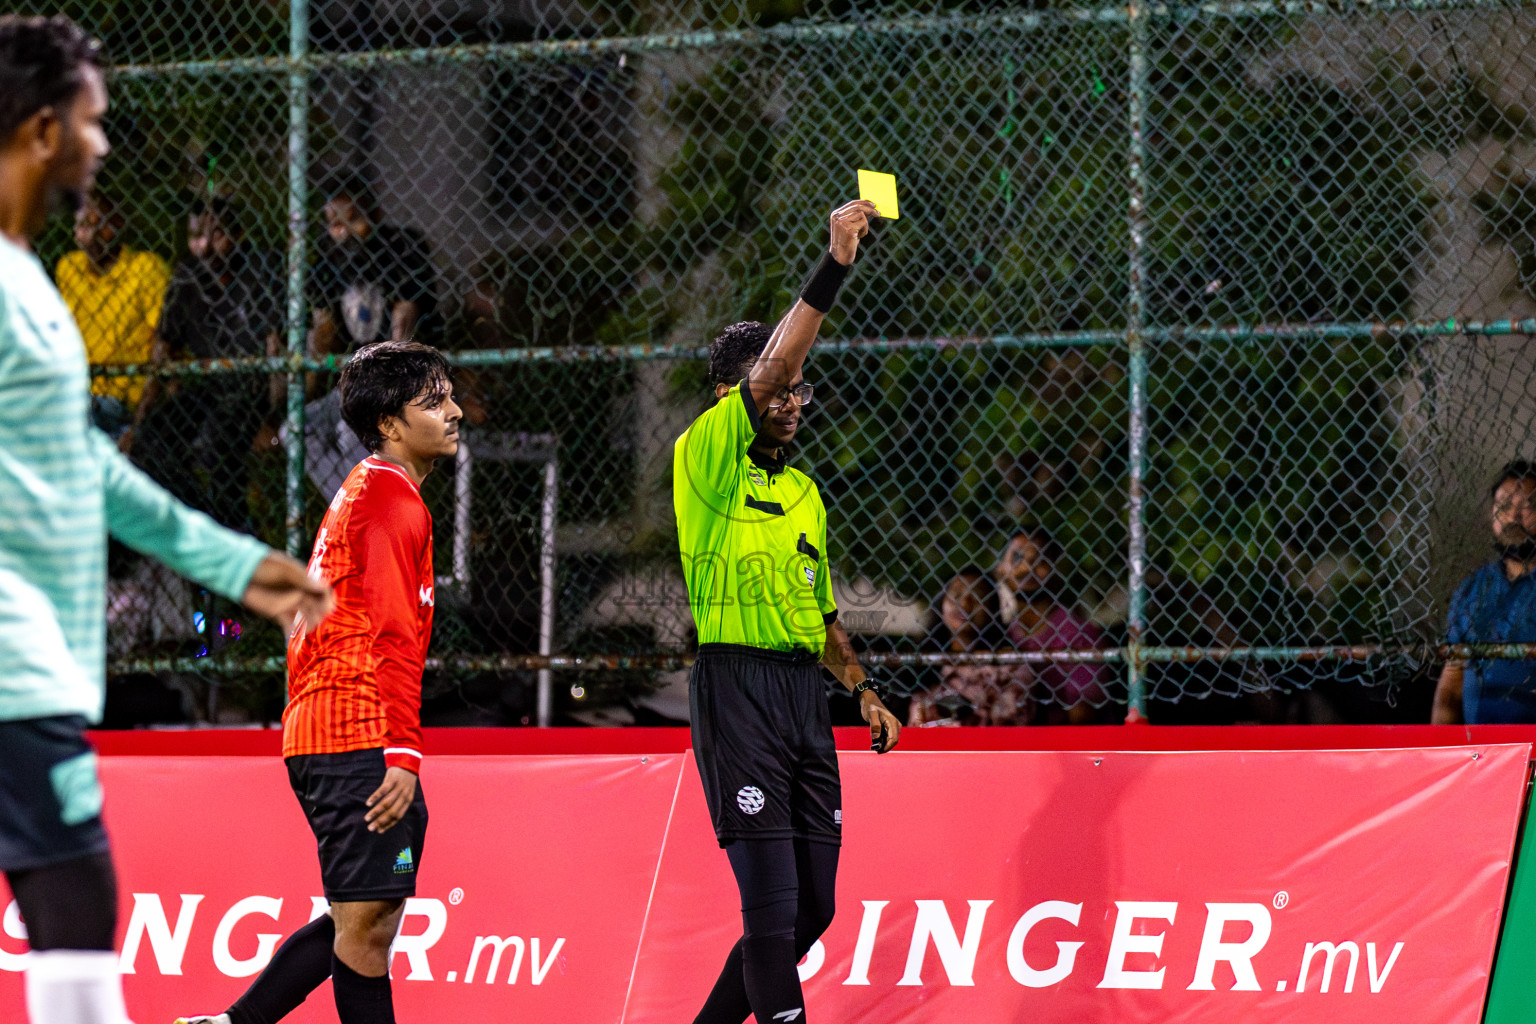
(63, 487)
(753, 535)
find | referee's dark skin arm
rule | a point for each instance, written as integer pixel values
(781, 362)
(839, 658)
(778, 368)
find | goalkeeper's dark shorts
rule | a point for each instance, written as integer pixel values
(762, 737)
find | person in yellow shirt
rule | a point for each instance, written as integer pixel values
(115, 293)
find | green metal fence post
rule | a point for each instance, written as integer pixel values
(298, 228)
(1135, 343)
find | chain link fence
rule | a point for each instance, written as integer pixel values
(1179, 383)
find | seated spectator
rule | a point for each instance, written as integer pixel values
(973, 694)
(225, 300)
(115, 294)
(1496, 604)
(371, 281)
(1044, 620)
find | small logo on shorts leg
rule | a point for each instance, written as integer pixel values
(837, 818)
(749, 799)
(404, 862)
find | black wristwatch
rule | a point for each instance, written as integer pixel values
(868, 684)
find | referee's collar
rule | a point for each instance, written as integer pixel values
(767, 462)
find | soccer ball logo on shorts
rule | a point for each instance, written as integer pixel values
(749, 799)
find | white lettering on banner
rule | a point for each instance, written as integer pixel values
(1330, 952)
(958, 958)
(864, 948)
(415, 946)
(538, 971)
(148, 918)
(1123, 943)
(933, 925)
(266, 942)
(1238, 954)
(1129, 938)
(16, 930)
(538, 964)
(1370, 960)
(814, 958)
(499, 946)
(319, 906)
(1066, 954)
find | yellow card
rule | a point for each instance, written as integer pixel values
(879, 189)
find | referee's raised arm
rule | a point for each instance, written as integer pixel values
(792, 338)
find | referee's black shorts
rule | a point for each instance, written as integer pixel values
(762, 737)
(357, 865)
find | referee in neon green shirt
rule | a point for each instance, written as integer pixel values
(753, 534)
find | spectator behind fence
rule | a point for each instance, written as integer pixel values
(115, 294)
(225, 300)
(1496, 604)
(1044, 619)
(371, 281)
(971, 620)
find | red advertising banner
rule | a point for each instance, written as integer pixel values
(1261, 886)
(1215, 887)
(533, 889)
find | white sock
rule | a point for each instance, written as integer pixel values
(75, 986)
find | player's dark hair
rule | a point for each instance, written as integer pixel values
(1515, 469)
(735, 349)
(382, 379)
(42, 64)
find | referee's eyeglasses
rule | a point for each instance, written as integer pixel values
(801, 394)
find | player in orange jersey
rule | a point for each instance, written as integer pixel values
(352, 730)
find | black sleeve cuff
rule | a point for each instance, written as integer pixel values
(753, 416)
(820, 289)
(829, 618)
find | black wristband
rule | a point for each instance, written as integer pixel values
(820, 289)
(868, 684)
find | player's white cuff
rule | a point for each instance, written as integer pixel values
(403, 757)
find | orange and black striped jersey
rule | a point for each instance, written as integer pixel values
(355, 682)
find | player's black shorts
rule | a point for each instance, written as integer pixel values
(356, 864)
(50, 796)
(762, 737)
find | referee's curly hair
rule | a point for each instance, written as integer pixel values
(42, 64)
(733, 352)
